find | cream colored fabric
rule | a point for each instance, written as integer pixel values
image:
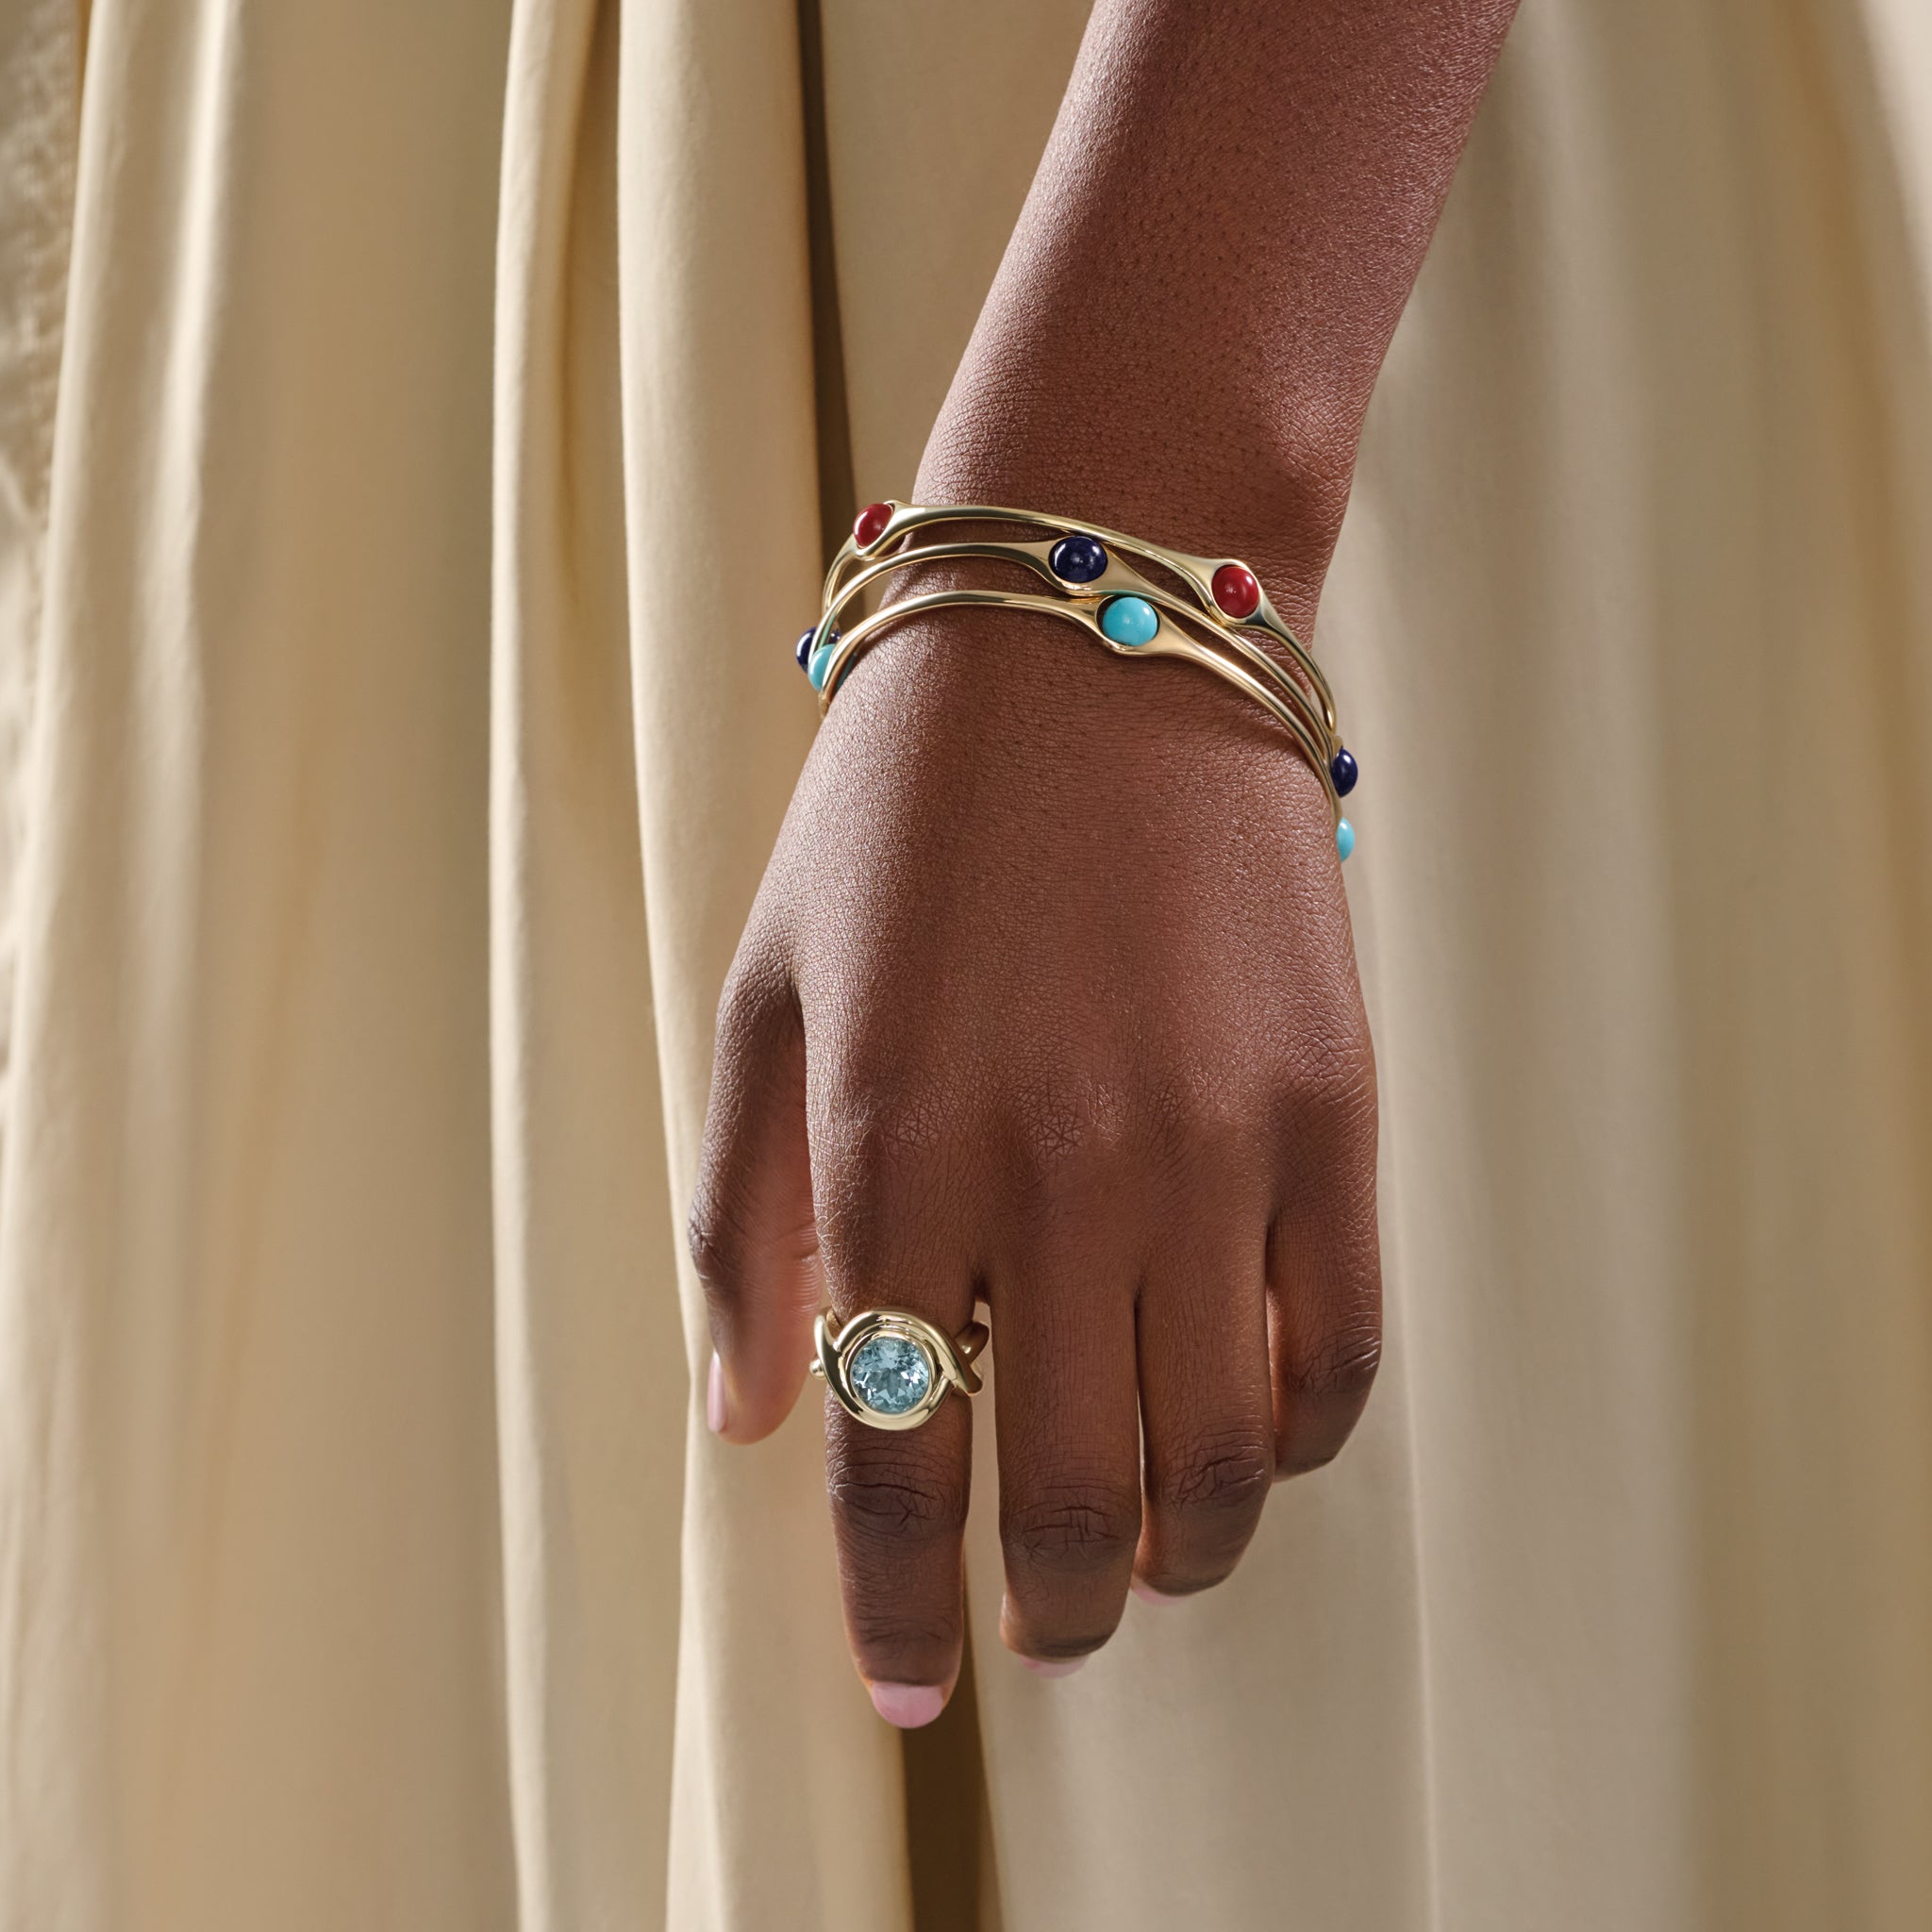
(398, 578)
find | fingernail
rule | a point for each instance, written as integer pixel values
(715, 1412)
(1151, 1596)
(1055, 1667)
(909, 1705)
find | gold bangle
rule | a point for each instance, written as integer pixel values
(1109, 598)
(1168, 640)
(1117, 581)
(889, 1368)
(871, 533)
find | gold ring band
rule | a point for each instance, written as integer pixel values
(889, 1368)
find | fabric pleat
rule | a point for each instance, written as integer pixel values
(422, 431)
(249, 1542)
(590, 1380)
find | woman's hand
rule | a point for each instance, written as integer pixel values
(1048, 998)
(1048, 995)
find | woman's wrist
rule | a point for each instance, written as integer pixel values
(1183, 335)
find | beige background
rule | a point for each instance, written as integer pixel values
(385, 781)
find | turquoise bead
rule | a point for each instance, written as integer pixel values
(1129, 620)
(1344, 837)
(820, 662)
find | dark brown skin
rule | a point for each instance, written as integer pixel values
(1049, 995)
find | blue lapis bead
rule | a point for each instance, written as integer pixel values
(1129, 620)
(1077, 560)
(1344, 770)
(822, 660)
(1344, 837)
(802, 649)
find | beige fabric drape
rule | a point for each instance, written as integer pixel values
(404, 515)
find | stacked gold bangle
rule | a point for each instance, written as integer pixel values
(1217, 620)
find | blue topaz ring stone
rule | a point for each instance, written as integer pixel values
(889, 1368)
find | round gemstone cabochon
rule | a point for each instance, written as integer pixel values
(1129, 620)
(802, 649)
(1077, 560)
(822, 660)
(1236, 590)
(890, 1374)
(1344, 770)
(871, 523)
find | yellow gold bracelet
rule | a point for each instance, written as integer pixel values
(1103, 593)
(1118, 580)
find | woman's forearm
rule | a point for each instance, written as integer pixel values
(1228, 220)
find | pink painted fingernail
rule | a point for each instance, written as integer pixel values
(715, 1411)
(1148, 1595)
(1053, 1667)
(909, 1705)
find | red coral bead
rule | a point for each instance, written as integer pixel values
(872, 524)
(1236, 590)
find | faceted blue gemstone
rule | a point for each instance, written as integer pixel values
(1344, 837)
(802, 649)
(890, 1374)
(1077, 560)
(1129, 620)
(1344, 770)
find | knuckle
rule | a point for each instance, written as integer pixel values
(1085, 1526)
(896, 1502)
(757, 981)
(716, 1238)
(1206, 1127)
(881, 1160)
(1221, 1474)
(757, 1053)
(885, 1112)
(1062, 1132)
(1339, 1367)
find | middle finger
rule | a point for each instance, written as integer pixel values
(1066, 1416)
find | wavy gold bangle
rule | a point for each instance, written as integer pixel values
(1117, 581)
(1130, 613)
(1229, 592)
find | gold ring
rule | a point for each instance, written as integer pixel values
(889, 1368)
